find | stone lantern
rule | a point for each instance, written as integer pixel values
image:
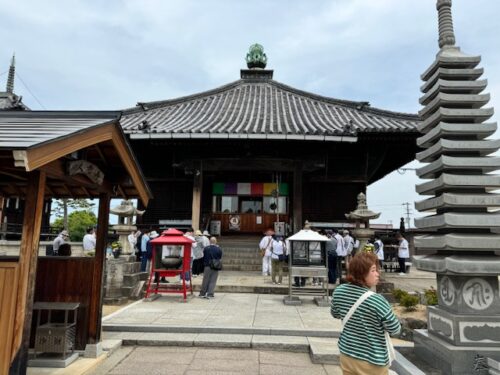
(125, 212)
(362, 215)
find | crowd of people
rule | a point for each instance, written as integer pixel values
(340, 249)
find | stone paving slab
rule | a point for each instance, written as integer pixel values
(324, 350)
(223, 340)
(283, 343)
(166, 339)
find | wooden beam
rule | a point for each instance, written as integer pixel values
(28, 255)
(95, 306)
(196, 203)
(131, 165)
(101, 154)
(48, 152)
(297, 197)
(121, 191)
(56, 170)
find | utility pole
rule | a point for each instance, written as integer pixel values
(407, 212)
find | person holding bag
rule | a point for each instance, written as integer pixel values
(212, 259)
(367, 320)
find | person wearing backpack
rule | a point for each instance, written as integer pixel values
(212, 259)
(331, 251)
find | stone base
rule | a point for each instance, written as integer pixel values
(464, 330)
(93, 350)
(292, 301)
(451, 359)
(52, 360)
(322, 301)
(116, 301)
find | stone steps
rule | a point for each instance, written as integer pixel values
(322, 350)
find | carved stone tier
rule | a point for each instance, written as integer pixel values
(462, 265)
(456, 242)
(444, 130)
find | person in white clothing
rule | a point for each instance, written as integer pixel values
(379, 251)
(89, 241)
(132, 240)
(278, 249)
(348, 246)
(341, 252)
(403, 253)
(265, 246)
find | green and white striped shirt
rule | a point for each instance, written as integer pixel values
(363, 336)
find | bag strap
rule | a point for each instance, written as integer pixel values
(354, 307)
(388, 343)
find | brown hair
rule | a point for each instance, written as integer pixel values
(360, 266)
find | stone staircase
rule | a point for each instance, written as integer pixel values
(241, 252)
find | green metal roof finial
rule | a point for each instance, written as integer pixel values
(256, 58)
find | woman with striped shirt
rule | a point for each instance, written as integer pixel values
(362, 343)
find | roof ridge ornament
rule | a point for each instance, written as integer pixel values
(256, 58)
(446, 33)
(12, 73)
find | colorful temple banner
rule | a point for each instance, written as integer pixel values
(247, 188)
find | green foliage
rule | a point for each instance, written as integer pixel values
(78, 222)
(431, 296)
(60, 208)
(398, 294)
(409, 301)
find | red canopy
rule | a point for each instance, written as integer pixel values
(172, 237)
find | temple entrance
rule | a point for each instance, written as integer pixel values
(248, 207)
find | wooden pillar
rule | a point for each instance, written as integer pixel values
(297, 197)
(196, 206)
(95, 306)
(28, 256)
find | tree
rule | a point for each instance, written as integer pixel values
(78, 222)
(60, 208)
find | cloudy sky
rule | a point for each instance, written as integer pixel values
(108, 55)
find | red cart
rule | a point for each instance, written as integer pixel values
(175, 238)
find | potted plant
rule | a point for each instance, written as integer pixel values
(116, 249)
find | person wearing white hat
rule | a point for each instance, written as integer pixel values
(59, 240)
(201, 242)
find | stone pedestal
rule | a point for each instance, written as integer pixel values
(123, 280)
(464, 329)
(123, 231)
(363, 235)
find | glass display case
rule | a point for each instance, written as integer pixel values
(308, 253)
(307, 259)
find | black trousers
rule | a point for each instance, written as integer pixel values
(402, 266)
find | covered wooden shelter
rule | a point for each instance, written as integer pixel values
(63, 154)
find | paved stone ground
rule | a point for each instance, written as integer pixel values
(197, 361)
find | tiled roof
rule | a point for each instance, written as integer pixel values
(260, 108)
(11, 102)
(22, 130)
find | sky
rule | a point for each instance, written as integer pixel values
(108, 55)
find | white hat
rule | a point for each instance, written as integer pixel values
(153, 234)
(198, 233)
(65, 233)
(205, 233)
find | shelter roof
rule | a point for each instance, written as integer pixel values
(256, 106)
(52, 141)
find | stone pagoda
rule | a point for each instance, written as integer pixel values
(464, 328)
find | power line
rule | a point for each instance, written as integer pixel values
(27, 88)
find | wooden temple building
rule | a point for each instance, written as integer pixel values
(256, 151)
